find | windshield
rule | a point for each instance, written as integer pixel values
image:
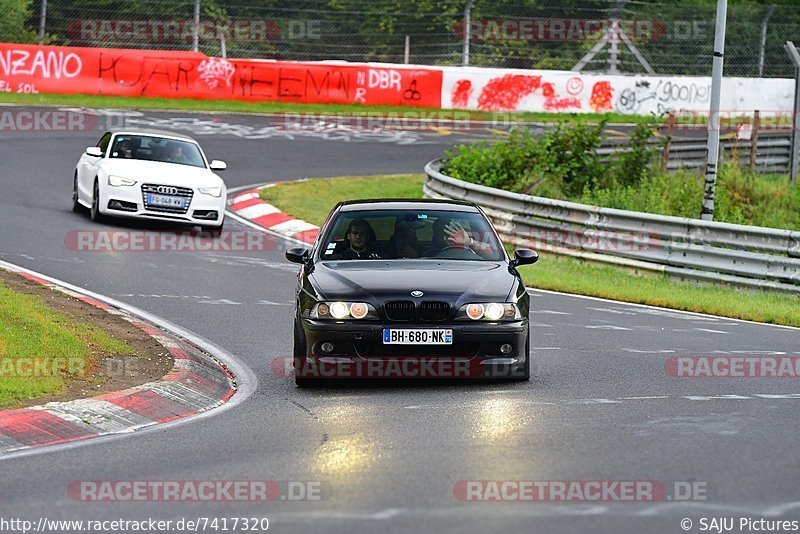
(424, 234)
(144, 147)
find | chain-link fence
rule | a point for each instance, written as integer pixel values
(629, 36)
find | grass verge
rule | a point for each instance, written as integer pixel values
(311, 201)
(43, 350)
(234, 106)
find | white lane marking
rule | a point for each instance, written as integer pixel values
(611, 310)
(711, 331)
(257, 210)
(758, 352)
(606, 327)
(657, 351)
(273, 303)
(778, 396)
(595, 401)
(153, 296)
(716, 397)
(226, 302)
(550, 312)
(646, 397)
(541, 325)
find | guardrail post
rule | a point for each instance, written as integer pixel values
(668, 143)
(754, 140)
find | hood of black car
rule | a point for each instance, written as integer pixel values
(378, 281)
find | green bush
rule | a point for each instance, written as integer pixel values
(563, 159)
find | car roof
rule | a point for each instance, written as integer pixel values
(156, 133)
(407, 204)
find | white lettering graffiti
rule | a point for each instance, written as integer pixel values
(45, 64)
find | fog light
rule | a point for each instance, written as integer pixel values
(506, 348)
(326, 347)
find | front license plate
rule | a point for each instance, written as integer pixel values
(166, 201)
(417, 336)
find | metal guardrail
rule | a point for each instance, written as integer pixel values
(751, 256)
(773, 152)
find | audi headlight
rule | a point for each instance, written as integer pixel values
(492, 311)
(119, 181)
(343, 310)
(211, 191)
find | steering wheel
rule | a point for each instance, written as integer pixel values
(459, 247)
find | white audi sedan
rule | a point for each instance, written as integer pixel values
(150, 175)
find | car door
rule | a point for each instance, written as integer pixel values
(87, 167)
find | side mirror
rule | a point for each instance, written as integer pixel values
(298, 255)
(94, 151)
(524, 256)
(217, 165)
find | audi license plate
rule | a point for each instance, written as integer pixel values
(166, 201)
(417, 336)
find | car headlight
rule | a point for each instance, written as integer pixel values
(119, 181)
(211, 191)
(343, 310)
(491, 311)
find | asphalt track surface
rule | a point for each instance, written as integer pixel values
(600, 407)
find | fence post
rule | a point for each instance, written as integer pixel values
(754, 140)
(467, 28)
(196, 27)
(42, 22)
(794, 164)
(407, 50)
(764, 23)
(713, 151)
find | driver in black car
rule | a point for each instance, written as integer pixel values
(448, 233)
(359, 242)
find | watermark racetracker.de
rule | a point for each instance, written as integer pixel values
(738, 366)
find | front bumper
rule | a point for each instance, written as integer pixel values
(477, 344)
(128, 202)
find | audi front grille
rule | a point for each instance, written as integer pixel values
(171, 190)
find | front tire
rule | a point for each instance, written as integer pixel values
(523, 374)
(76, 206)
(95, 211)
(299, 352)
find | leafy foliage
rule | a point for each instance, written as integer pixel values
(564, 159)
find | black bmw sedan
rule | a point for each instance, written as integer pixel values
(410, 288)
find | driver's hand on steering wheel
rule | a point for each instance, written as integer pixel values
(457, 235)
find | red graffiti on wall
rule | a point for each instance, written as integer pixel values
(462, 90)
(506, 92)
(602, 92)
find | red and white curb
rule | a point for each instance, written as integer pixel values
(249, 205)
(198, 382)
